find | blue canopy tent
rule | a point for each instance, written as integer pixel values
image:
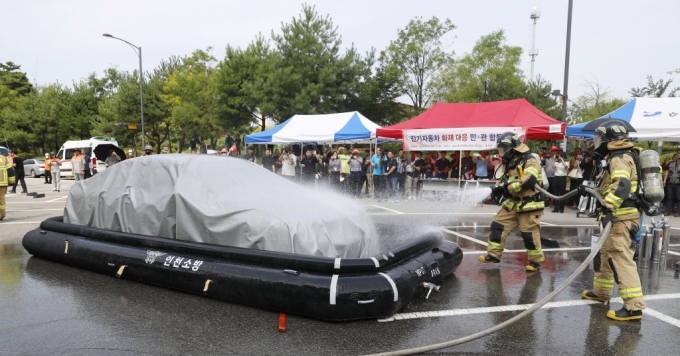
(654, 119)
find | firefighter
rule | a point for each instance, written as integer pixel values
(618, 185)
(524, 204)
(6, 178)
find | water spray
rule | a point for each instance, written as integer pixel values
(534, 307)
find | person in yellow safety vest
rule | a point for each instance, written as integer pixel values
(6, 178)
(618, 185)
(524, 204)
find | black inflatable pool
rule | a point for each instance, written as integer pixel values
(318, 287)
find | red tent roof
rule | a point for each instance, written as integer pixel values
(508, 113)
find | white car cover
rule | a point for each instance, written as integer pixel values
(221, 200)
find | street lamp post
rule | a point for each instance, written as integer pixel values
(138, 51)
(566, 70)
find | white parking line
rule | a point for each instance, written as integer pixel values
(11, 211)
(427, 213)
(57, 199)
(662, 317)
(549, 225)
(19, 222)
(562, 249)
(546, 224)
(465, 237)
(37, 201)
(517, 307)
(382, 207)
(674, 253)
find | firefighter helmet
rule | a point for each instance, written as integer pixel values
(607, 132)
(506, 143)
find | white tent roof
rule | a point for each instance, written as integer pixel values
(347, 127)
(654, 119)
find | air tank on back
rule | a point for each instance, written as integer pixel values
(650, 167)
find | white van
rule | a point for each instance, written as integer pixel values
(68, 148)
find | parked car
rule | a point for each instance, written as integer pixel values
(34, 167)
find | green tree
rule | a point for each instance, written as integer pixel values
(378, 98)
(491, 72)
(654, 89)
(319, 79)
(15, 80)
(537, 92)
(246, 85)
(417, 57)
(187, 92)
(596, 102)
(118, 96)
(8, 97)
(39, 120)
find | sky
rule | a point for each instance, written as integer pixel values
(614, 42)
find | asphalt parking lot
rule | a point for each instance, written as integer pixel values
(49, 308)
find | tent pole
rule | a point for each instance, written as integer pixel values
(460, 163)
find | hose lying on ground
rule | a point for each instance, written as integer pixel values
(530, 310)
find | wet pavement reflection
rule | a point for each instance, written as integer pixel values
(50, 308)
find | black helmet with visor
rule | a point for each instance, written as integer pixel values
(609, 131)
(506, 143)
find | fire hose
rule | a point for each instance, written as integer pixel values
(534, 307)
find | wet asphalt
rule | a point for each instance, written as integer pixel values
(48, 308)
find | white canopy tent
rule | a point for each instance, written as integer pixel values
(654, 119)
(347, 127)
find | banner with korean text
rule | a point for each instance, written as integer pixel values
(457, 139)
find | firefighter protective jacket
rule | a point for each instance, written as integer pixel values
(524, 197)
(6, 172)
(619, 182)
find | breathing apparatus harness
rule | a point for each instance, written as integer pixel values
(637, 197)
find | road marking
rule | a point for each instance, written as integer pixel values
(19, 222)
(465, 237)
(518, 307)
(674, 253)
(34, 202)
(11, 211)
(428, 213)
(547, 224)
(382, 207)
(53, 200)
(544, 250)
(485, 226)
(662, 317)
(576, 226)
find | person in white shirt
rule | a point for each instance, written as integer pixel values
(561, 166)
(288, 161)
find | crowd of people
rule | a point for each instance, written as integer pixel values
(392, 176)
(384, 175)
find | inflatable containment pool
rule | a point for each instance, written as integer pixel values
(199, 241)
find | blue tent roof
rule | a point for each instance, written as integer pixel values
(624, 113)
(349, 127)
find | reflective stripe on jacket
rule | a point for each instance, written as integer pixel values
(6, 172)
(524, 186)
(620, 182)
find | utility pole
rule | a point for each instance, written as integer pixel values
(565, 97)
(535, 15)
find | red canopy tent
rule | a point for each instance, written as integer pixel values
(508, 113)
